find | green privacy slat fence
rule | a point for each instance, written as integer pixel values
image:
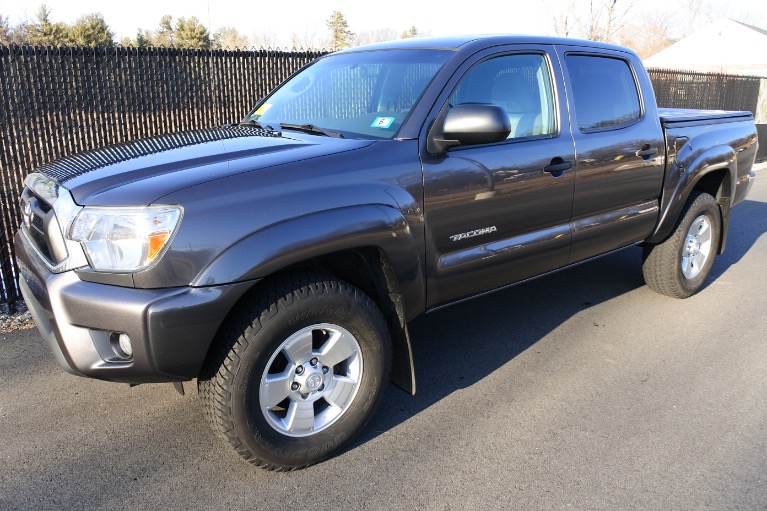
(59, 101)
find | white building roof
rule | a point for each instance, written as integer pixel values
(725, 46)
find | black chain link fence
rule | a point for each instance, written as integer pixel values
(59, 101)
(687, 89)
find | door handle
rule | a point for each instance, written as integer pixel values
(557, 167)
(647, 151)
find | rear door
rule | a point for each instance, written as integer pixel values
(620, 151)
(499, 213)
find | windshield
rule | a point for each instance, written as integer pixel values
(356, 95)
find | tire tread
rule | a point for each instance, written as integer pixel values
(219, 371)
(659, 262)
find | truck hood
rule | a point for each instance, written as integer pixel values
(140, 172)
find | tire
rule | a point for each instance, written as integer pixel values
(297, 372)
(679, 266)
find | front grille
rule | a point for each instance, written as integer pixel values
(37, 224)
(39, 240)
(39, 220)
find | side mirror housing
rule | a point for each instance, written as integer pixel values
(468, 124)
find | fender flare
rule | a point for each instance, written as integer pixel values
(685, 174)
(281, 245)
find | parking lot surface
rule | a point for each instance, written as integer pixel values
(581, 390)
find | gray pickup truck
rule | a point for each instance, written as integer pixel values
(278, 261)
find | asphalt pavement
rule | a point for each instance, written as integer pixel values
(581, 390)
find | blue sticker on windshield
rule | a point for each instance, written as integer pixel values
(382, 122)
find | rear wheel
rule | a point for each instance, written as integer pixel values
(679, 266)
(299, 373)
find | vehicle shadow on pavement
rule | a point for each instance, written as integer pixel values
(748, 223)
(459, 346)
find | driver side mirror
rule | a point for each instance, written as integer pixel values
(468, 124)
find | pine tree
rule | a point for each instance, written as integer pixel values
(143, 39)
(164, 35)
(91, 30)
(44, 32)
(340, 35)
(411, 32)
(190, 33)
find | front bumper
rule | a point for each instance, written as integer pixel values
(171, 330)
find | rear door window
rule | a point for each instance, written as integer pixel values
(604, 92)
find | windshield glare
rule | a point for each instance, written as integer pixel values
(360, 95)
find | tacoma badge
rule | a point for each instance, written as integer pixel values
(471, 234)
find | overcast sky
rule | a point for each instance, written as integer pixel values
(307, 17)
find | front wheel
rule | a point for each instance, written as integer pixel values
(679, 266)
(299, 373)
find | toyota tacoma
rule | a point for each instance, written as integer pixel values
(278, 261)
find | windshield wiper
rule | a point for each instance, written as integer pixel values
(255, 124)
(311, 128)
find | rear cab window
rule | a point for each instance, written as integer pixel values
(604, 92)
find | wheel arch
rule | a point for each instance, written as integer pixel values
(680, 265)
(712, 171)
(367, 246)
(720, 184)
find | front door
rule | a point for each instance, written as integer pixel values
(499, 213)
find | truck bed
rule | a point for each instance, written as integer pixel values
(688, 115)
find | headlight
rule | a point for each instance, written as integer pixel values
(124, 239)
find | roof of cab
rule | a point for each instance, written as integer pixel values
(457, 42)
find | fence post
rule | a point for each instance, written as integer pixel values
(760, 118)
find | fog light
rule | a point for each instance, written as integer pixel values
(121, 345)
(125, 345)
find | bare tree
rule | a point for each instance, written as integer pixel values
(651, 34)
(564, 19)
(374, 36)
(598, 20)
(693, 10)
(265, 40)
(229, 38)
(307, 41)
(591, 23)
(6, 34)
(616, 18)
